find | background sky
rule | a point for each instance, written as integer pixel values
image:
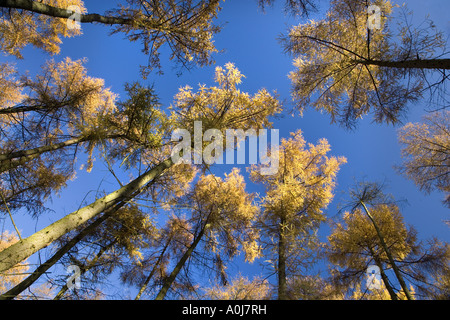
(249, 40)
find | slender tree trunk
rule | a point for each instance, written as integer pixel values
(389, 255)
(410, 64)
(155, 267)
(45, 9)
(169, 280)
(23, 249)
(8, 165)
(282, 282)
(19, 288)
(8, 162)
(19, 109)
(384, 277)
(85, 269)
(42, 149)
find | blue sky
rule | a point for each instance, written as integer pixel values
(249, 40)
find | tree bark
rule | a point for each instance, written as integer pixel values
(8, 165)
(169, 280)
(41, 8)
(7, 161)
(19, 288)
(389, 255)
(150, 276)
(42, 149)
(19, 109)
(282, 282)
(23, 249)
(410, 64)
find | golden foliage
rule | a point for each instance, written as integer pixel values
(355, 239)
(293, 204)
(186, 27)
(426, 152)
(240, 288)
(224, 106)
(15, 275)
(20, 28)
(303, 187)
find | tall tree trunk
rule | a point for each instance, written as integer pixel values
(23, 249)
(20, 109)
(45, 9)
(8, 162)
(282, 282)
(384, 277)
(170, 279)
(410, 64)
(86, 268)
(8, 165)
(19, 288)
(42, 149)
(155, 267)
(389, 255)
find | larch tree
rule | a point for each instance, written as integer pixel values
(240, 288)
(293, 204)
(221, 221)
(352, 63)
(169, 244)
(124, 229)
(43, 122)
(185, 27)
(426, 153)
(121, 239)
(354, 245)
(369, 195)
(13, 276)
(219, 107)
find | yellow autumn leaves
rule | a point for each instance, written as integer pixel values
(18, 29)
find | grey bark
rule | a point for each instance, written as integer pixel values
(282, 282)
(26, 283)
(389, 255)
(86, 268)
(23, 249)
(155, 267)
(42, 8)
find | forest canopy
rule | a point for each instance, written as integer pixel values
(135, 142)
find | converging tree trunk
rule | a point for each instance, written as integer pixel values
(410, 64)
(26, 247)
(171, 278)
(389, 255)
(45, 9)
(19, 288)
(384, 277)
